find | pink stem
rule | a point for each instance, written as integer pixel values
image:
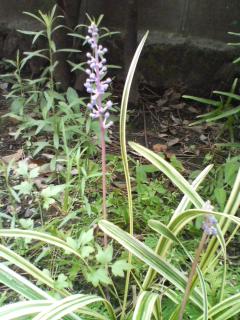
(104, 171)
(103, 145)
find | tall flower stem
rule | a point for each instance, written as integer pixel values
(97, 85)
(209, 229)
(191, 275)
(104, 182)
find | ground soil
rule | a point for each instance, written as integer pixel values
(161, 122)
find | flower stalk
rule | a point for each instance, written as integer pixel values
(96, 85)
(209, 229)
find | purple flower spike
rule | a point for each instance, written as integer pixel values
(209, 224)
(95, 84)
(210, 221)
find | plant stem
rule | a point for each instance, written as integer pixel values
(191, 275)
(103, 143)
(104, 183)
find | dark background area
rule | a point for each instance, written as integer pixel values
(187, 45)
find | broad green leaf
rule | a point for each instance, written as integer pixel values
(52, 190)
(98, 276)
(86, 251)
(119, 266)
(26, 223)
(221, 196)
(104, 256)
(61, 282)
(24, 187)
(73, 243)
(72, 95)
(22, 168)
(86, 237)
(34, 173)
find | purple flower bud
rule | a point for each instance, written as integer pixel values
(107, 115)
(109, 124)
(208, 225)
(212, 219)
(89, 90)
(90, 106)
(109, 104)
(105, 87)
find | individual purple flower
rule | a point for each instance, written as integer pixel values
(96, 84)
(209, 221)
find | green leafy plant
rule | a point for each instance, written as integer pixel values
(224, 108)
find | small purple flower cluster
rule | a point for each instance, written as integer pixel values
(95, 83)
(208, 225)
(210, 221)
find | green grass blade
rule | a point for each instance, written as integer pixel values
(187, 216)
(164, 244)
(226, 309)
(25, 265)
(148, 256)
(29, 234)
(230, 209)
(166, 232)
(204, 101)
(23, 309)
(225, 114)
(123, 116)
(63, 307)
(185, 200)
(146, 303)
(228, 94)
(170, 172)
(21, 285)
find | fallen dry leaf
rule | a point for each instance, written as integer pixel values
(169, 155)
(173, 142)
(13, 157)
(159, 147)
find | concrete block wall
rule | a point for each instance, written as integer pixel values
(187, 41)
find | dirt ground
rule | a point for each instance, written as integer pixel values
(161, 122)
